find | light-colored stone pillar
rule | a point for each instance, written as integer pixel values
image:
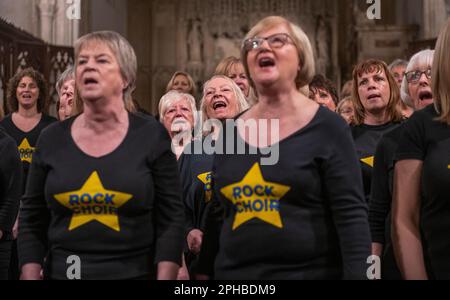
(435, 13)
(47, 13)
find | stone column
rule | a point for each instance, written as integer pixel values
(435, 13)
(47, 13)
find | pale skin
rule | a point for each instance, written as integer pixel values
(237, 73)
(374, 92)
(406, 203)
(416, 91)
(181, 84)
(405, 220)
(66, 99)
(104, 123)
(279, 97)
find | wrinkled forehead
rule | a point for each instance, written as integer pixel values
(218, 83)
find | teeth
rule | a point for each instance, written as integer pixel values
(219, 104)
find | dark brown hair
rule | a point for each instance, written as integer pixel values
(319, 82)
(13, 103)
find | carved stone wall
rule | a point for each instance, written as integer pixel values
(194, 35)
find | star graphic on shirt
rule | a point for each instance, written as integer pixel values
(26, 151)
(254, 197)
(368, 161)
(94, 202)
(206, 179)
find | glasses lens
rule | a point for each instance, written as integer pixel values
(277, 40)
(251, 44)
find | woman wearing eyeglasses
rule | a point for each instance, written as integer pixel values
(303, 215)
(421, 219)
(416, 92)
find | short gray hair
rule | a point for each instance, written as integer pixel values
(123, 51)
(397, 63)
(170, 97)
(420, 59)
(67, 75)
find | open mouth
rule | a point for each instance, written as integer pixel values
(26, 96)
(425, 95)
(373, 96)
(266, 62)
(219, 104)
(89, 81)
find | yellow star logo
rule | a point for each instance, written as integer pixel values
(26, 151)
(253, 197)
(93, 202)
(206, 179)
(368, 161)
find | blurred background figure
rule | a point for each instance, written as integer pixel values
(65, 86)
(346, 110)
(398, 69)
(232, 67)
(177, 114)
(323, 91)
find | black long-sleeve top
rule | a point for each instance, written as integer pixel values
(10, 183)
(121, 213)
(428, 140)
(366, 139)
(26, 141)
(195, 171)
(381, 199)
(303, 218)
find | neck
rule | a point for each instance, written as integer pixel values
(100, 116)
(376, 119)
(27, 112)
(278, 104)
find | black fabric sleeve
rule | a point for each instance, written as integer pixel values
(381, 198)
(344, 188)
(34, 217)
(169, 215)
(11, 177)
(212, 222)
(412, 142)
(184, 163)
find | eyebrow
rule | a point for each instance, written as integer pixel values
(95, 56)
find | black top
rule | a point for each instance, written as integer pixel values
(381, 199)
(120, 213)
(428, 140)
(26, 141)
(366, 139)
(195, 171)
(10, 183)
(303, 218)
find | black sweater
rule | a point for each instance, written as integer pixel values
(121, 213)
(26, 141)
(366, 140)
(381, 200)
(10, 184)
(302, 218)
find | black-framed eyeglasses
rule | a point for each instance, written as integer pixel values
(277, 40)
(414, 76)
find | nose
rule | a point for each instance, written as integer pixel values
(423, 80)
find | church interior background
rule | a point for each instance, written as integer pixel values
(194, 35)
